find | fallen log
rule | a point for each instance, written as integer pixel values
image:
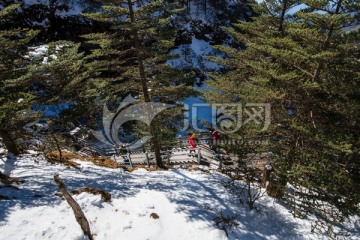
(79, 214)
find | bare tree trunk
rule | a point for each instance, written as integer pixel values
(265, 177)
(156, 146)
(276, 188)
(79, 215)
(57, 144)
(205, 6)
(277, 184)
(9, 142)
(282, 17)
(138, 47)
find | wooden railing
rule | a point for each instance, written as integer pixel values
(203, 154)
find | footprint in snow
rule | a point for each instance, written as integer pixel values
(142, 213)
(129, 226)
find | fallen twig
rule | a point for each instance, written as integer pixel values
(106, 197)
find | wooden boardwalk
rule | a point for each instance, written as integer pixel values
(201, 155)
(170, 154)
(176, 153)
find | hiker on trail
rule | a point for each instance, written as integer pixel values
(192, 141)
(195, 138)
(216, 136)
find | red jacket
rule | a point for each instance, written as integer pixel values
(216, 135)
(192, 142)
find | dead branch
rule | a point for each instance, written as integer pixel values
(79, 215)
(9, 180)
(65, 158)
(105, 196)
(9, 186)
(2, 197)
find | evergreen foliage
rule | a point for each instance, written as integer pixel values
(14, 75)
(133, 54)
(306, 66)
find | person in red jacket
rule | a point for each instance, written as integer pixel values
(192, 141)
(216, 137)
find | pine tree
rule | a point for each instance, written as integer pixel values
(133, 55)
(58, 71)
(306, 67)
(60, 79)
(14, 75)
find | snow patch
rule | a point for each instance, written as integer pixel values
(194, 56)
(38, 52)
(180, 198)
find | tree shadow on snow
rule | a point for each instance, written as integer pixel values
(192, 193)
(9, 164)
(39, 188)
(196, 198)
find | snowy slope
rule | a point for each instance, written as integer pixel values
(182, 200)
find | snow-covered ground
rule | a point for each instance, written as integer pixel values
(181, 198)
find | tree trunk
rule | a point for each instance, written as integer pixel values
(282, 17)
(205, 6)
(9, 142)
(156, 146)
(265, 177)
(57, 144)
(138, 48)
(276, 187)
(277, 183)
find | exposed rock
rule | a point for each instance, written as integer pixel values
(154, 216)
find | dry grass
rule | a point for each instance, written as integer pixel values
(69, 157)
(66, 158)
(103, 162)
